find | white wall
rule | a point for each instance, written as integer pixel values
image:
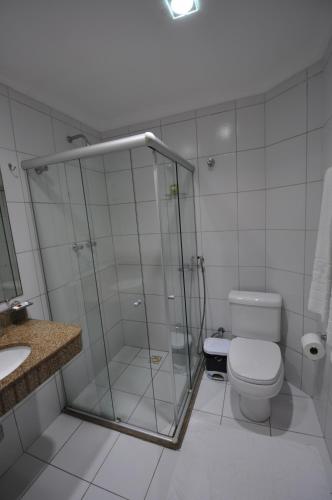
(258, 209)
(29, 128)
(251, 208)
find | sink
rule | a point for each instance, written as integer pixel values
(11, 358)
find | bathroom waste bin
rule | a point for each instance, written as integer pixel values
(216, 352)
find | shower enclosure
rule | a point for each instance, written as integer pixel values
(117, 234)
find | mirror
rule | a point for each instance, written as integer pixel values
(10, 283)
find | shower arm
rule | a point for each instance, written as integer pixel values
(72, 138)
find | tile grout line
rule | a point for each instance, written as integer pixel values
(223, 402)
(154, 472)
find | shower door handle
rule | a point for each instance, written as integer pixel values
(137, 303)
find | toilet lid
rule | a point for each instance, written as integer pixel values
(255, 361)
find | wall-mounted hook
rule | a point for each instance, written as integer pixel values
(211, 162)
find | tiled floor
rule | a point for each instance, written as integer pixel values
(139, 378)
(141, 389)
(74, 459)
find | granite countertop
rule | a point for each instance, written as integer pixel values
(52, 346)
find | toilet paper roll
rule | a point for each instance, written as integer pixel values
(312, 346)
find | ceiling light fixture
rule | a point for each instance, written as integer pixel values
(181, 8)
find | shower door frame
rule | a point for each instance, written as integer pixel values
(148, 139)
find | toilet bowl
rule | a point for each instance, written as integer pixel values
(256, 373)
(255, 367)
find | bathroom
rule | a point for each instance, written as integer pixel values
(162, 176)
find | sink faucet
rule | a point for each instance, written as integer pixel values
(14, 312)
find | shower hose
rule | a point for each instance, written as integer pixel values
(199, 348)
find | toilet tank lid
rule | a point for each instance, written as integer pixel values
(259, 299)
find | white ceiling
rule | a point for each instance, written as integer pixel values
(115, 62)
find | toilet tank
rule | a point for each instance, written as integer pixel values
(255, 315)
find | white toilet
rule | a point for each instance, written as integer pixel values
(255, 367)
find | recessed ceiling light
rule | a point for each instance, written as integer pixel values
(180, 8)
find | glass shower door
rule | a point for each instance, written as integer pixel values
(94, 366)
(113, 223)
(191, 264)
(118, 244)
(167, 187)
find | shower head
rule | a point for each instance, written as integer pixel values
(72, 138)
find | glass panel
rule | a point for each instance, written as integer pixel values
(156, 409)
(94, 342)
(177, 377)
(62, 224)
(191, 271)
(113, 219)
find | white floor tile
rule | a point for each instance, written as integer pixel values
(210, 396)
(252, 467)
(88, 398)
(115, 370)
(129, 467)
(86, 450)
(134, 380)
(118, 405)
(295, 414)
(95, 493)
(232, 407)
(20, 477)
(166, 364)
(316, 442)
(126, 354)
(231, 423)
(200, 421)
(163, 386)
(54, 437)
(155, 416)
(158, 489)
(54, 484)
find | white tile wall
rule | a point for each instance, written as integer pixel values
(258, 208)
(286, 114)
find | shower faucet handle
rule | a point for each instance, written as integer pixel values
(137, 303)
(77, 247)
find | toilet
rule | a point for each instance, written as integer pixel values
(255, 367)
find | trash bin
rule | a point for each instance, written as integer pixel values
(216, 352)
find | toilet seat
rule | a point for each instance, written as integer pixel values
(262, 373)
(255, 361)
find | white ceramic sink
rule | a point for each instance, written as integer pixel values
(11, 358)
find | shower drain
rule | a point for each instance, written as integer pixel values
(155, 359)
